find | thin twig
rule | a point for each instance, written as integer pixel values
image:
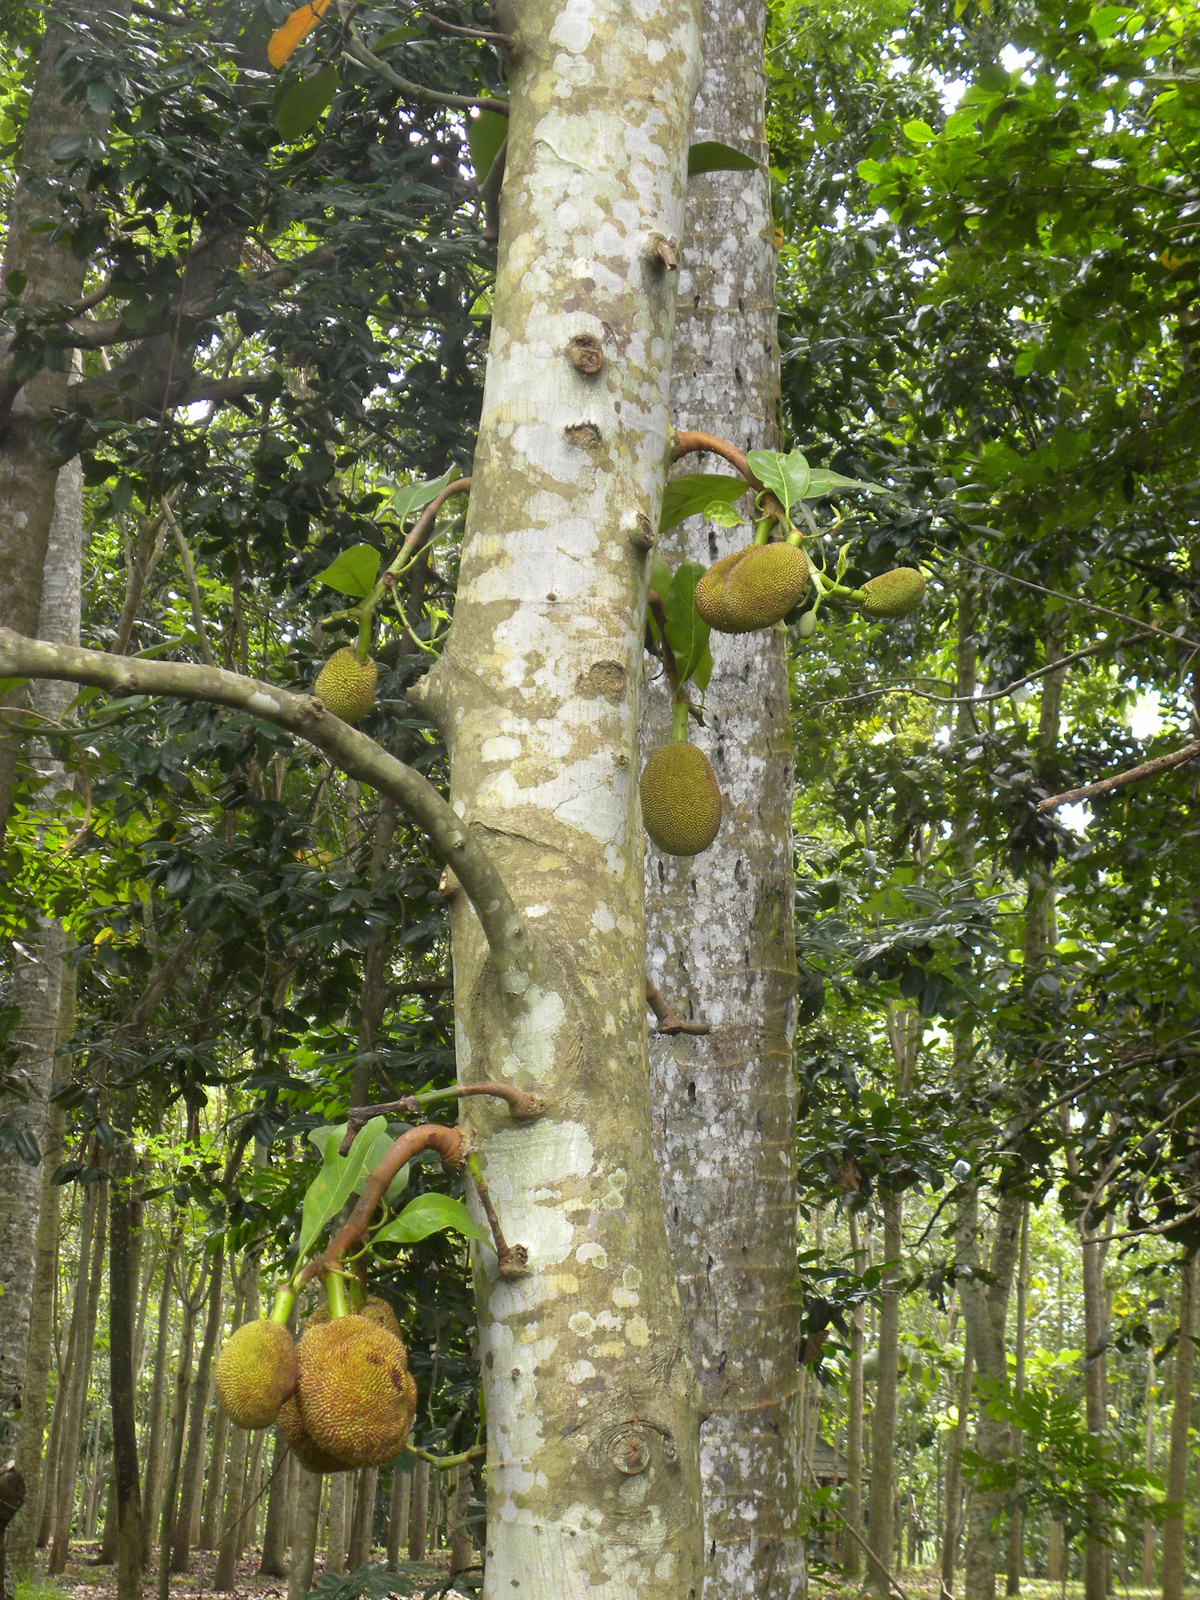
(511, 1260)
(357, 51)
(668, 1022)
(448, 1142)
(1148, 769)
(519, 1103)
(974, 699)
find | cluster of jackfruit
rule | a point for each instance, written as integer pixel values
(347, 685)
(343, 1396)
(750, 589)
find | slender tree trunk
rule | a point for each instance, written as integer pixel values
(230, 1532)
(304, 1540)
(1095, 1387)
(335, 1522)
(955, 1443)
(1181, 1412)
(1013, 1578)
(197, 1420)
(364, 1518)
(88, 1292)
(157, 1421)
(462, 1551)
(883, 1414)
(721, 945)
(398, 1510)
(23, 1530)
(179, 1421)
(124, 1227)
(1148, 1464)
(852, 1545)
(214, 1478)
(273, 1563)
(418, 1523)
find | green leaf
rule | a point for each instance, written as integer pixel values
(428, 1213)
(340, 1177)
(410, 497)
(871, 171)
(822, 482)
(485, 134)
(919, 132)
(353, 572)
(691, 495)
(660, 576)
(701, 672)
(723, 515)
(787, 476)
(305, 102)
(687, 631)
(710, 155)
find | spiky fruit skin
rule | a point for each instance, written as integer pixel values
(356, 1396)
(753, 588)
(308, 1451)
(681, 803)
(256, 1372)
(374, 1309)
(708, 595)
(893, 594)
(347, 685)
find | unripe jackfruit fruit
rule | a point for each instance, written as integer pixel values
(373, 1309)
(256, 1372)
(681, 803)
(753, 588)
(357, 1399)
(347, 685)
(308, 1451)
(893, 594)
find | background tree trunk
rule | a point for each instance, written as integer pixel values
(852, 1545)
(1181, 1415)
(1013, 1576)
(124, 1226)
(954, 1477)
(881, 1527)
(304, 1539)
(273, 1563)
(87, 1293)
(720, 938)
(181, 1541)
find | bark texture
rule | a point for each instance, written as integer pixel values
(36, 991)
(593, 1476)
(720, 939)
(1181, 1408)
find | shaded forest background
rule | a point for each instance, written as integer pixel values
(989, 272)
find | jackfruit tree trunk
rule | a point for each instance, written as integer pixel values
(37, 984)
(593, 1476)
(720, 936)
(881, 1524)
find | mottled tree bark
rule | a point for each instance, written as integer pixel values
(593, 1472)
(954, 1475)
(720, 934)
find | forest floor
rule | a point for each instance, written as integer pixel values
(84, 1579)
(925, 1583)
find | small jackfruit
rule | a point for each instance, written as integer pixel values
(753, 588)
(893, 594)
(681, 803)
(308, 1451)
(357, 1398)
(347, 685)
(256, 1372)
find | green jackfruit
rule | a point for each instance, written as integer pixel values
(681, 803)
(374, 1310)
(347, 685)
(893, 594)
(256, 1372)
(357, 1399)
(753, 588)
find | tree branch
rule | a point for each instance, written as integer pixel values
(357, 51)
(1148, 769)
(354, 753)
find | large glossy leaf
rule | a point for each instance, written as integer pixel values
(485, 135)
(687, 631)
(353, 572)
(428, 1213)
(340, 1177)
(305, 102)
(691, 494)
(410, 497)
